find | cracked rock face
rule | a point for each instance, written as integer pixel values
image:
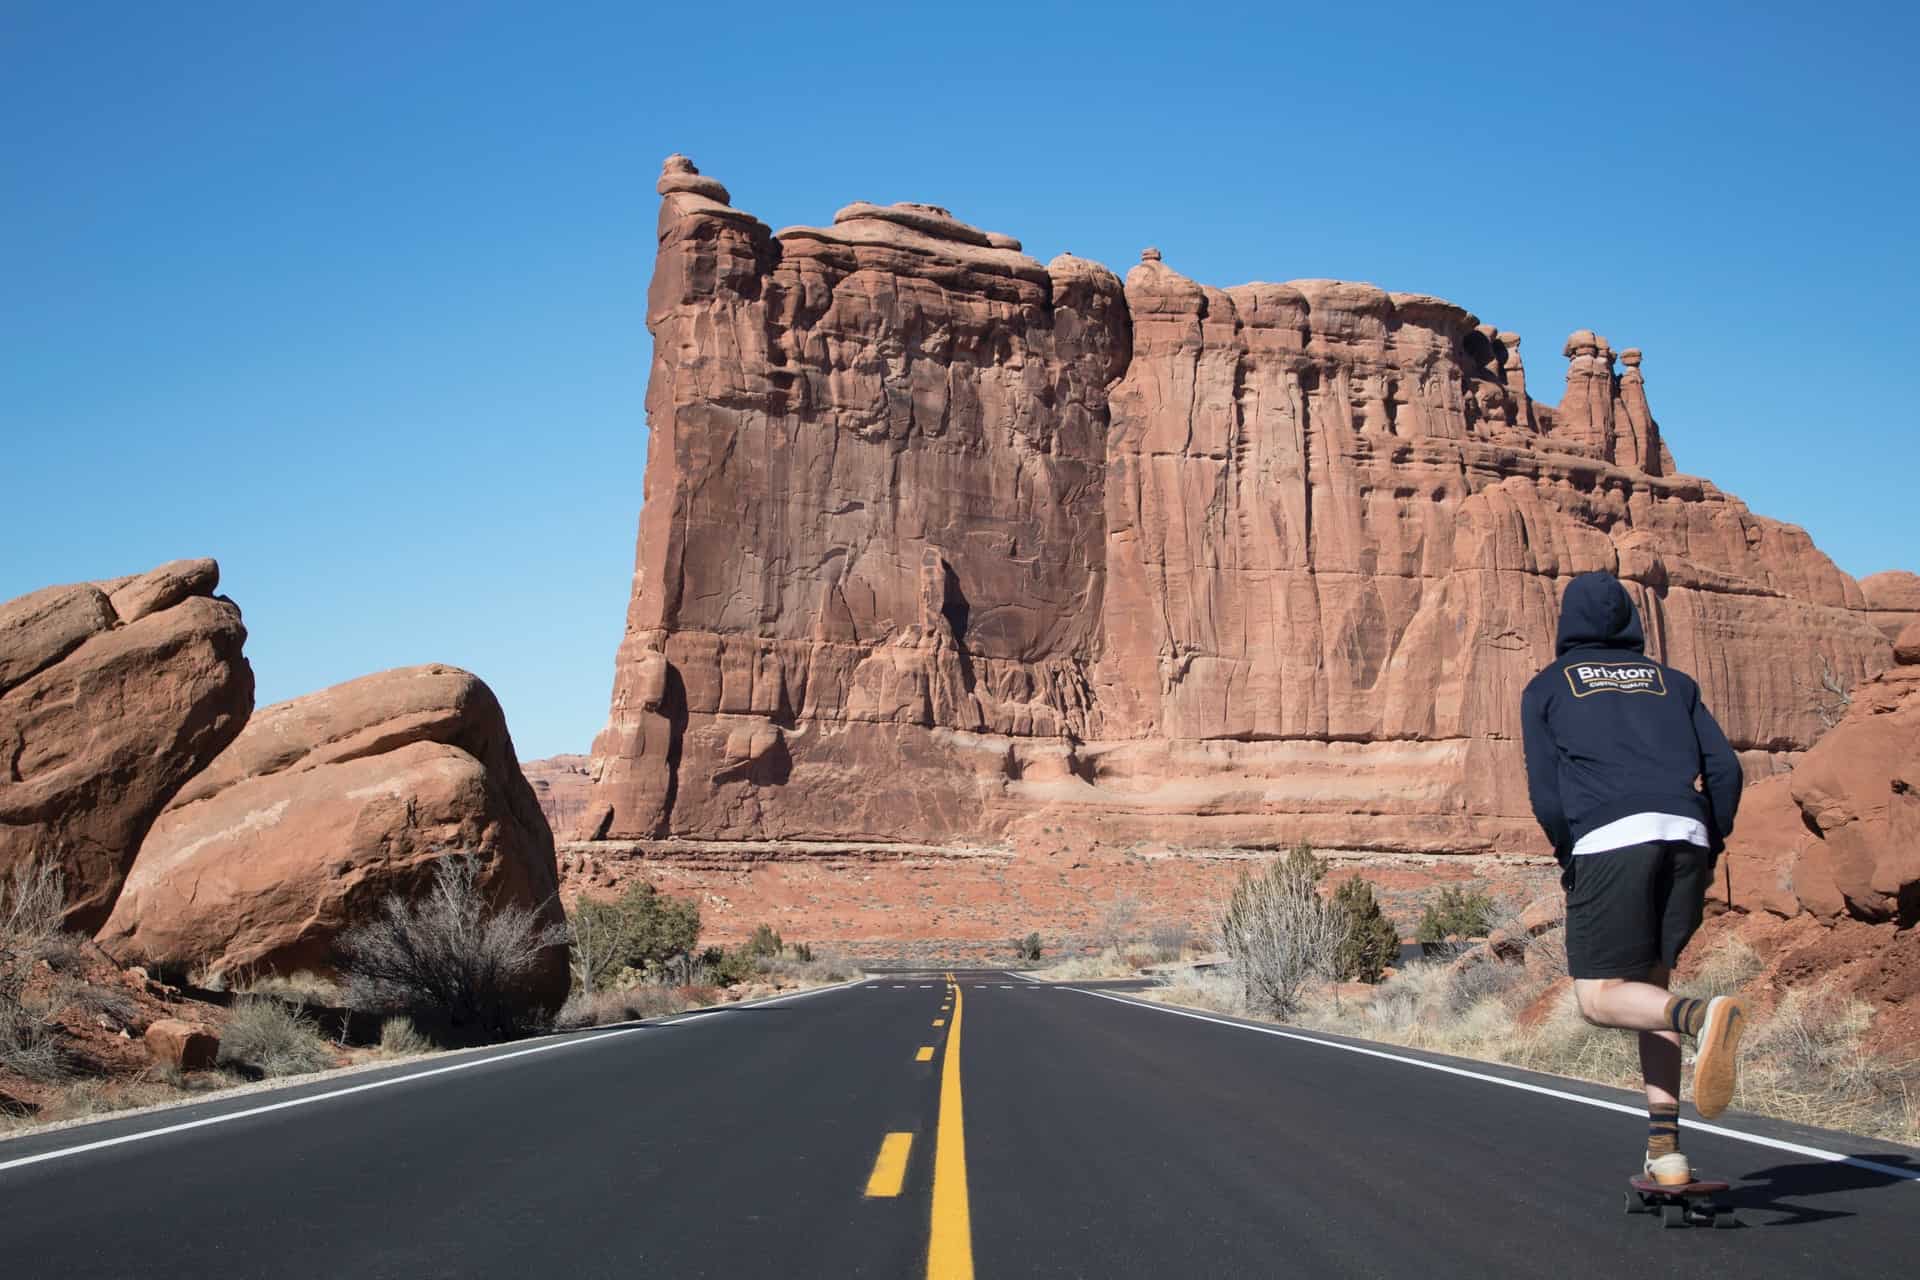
(323, 807)
(939, 542)
(112, 695)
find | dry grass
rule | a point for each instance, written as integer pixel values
(1806, 1061)
(604, 1008)
(1109, 962)
(1208, 989)
(302, 987)
(399, 1038)
(267, 1038)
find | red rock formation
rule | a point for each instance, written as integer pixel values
(1893, 600)
(112, 695)
(1840, 836)
(323, 807)
(939, 543)
(560, 783)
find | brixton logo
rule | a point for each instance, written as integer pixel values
(1588, 678)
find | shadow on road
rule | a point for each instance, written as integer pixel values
(1776, 1190)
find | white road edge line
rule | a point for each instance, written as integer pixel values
(1758, 1140)
(468, 1065)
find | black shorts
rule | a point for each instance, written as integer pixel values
(1631, 910)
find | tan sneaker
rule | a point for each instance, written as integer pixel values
(1670, 1170)
(1717, 1070)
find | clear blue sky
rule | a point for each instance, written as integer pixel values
(351, 296)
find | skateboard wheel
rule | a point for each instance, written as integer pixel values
(1635, 1203)
(1674, 1215)
(1726, 1218)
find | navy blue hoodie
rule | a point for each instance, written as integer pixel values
(1610, 733)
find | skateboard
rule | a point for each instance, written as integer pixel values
(1690, 1205)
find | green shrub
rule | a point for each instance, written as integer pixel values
(1027, 948)
(642, 930)
(269, 1038)
(803, 952)
(765, 942)
(1371, 942)
(1461, 913)
(726, 967)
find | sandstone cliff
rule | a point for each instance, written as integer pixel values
(940, 543)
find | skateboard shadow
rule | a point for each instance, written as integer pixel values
(1780, 1189)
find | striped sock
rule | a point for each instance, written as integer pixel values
(1686, 1015)
(1663, 1128)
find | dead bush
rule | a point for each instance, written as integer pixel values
(451, 954)
(32, 901)
(1279, 934)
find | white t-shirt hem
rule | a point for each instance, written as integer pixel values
(1643, 828)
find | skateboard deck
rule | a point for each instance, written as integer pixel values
(1691, 1204)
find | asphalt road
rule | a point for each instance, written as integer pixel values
(1075, 1133)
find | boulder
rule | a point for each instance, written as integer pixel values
(185, 1046)
(324, 807)
(1840, 835)
(112, 695)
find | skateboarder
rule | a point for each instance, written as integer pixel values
(1635, 785)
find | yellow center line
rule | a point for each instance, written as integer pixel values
(890, 1166)
(925, 1054)
(939, 1022)
(950, 1246)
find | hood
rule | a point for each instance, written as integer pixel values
(1596, 613)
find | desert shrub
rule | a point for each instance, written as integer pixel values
(1279, 934)
(1027, 948)
(643, 930)
(765, 942)
(1463, 913)
(1488, 979)
(399, 1037)
(1371, 942)
(452, 953)
(1116, 922)
(728, 966)
(803, 952)
(1170, 939)
(32, 903)
(267, 1037)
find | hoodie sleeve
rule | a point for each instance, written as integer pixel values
(1719, 770)
(1543, 772)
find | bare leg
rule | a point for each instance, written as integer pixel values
(1626, 1003)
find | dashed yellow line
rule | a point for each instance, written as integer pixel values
(939, 1022)
(925, 1054)
(890, 1166)
(950, 1245)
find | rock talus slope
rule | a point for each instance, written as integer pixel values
(939, 542)
(112, 695)
(323, 807)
